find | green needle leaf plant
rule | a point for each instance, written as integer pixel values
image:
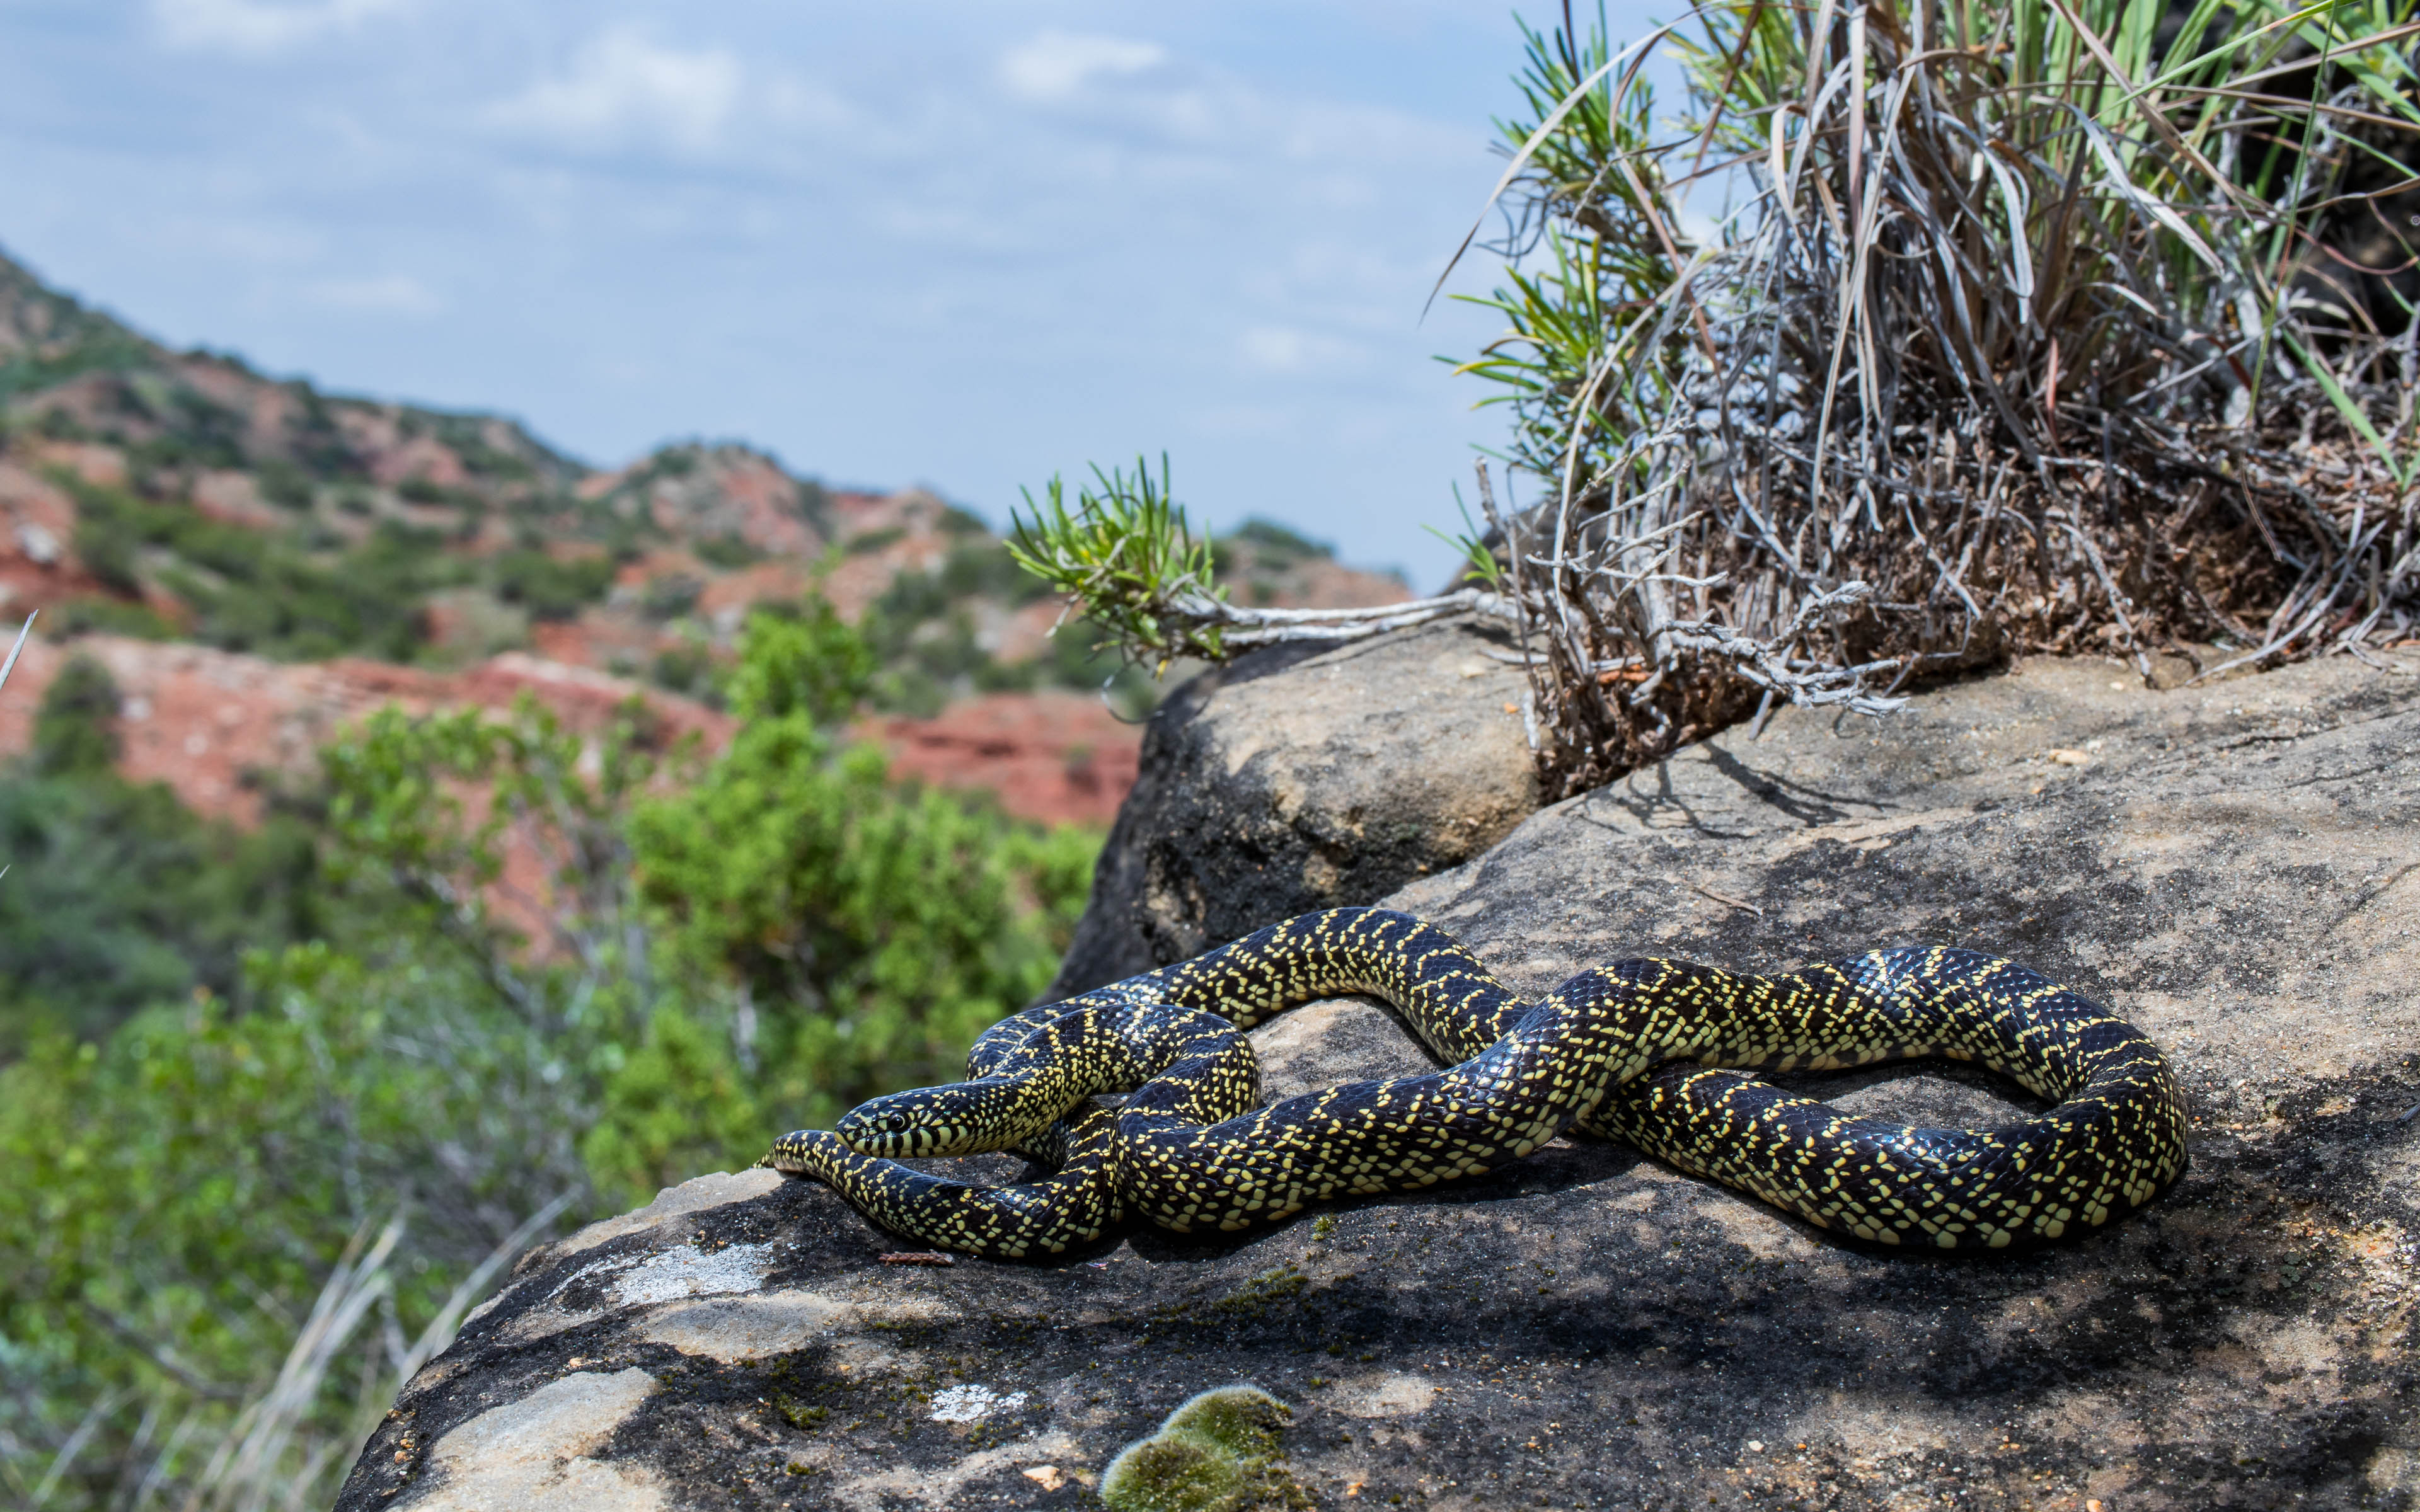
(1124, 554)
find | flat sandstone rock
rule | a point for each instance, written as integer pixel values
(2237, 868)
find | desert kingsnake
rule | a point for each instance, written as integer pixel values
(1627, 1050)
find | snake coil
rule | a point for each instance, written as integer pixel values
(1652, 1052)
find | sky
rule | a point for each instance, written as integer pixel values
(961, 243)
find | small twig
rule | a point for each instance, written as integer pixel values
(1725, 899)
(1266, 627)
(918, 1256)
(16, 650)
(1763, 713)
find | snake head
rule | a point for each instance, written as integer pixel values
(962, 1119)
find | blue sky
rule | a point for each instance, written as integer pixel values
(942, 242)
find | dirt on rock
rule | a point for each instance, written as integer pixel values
(2236, 868)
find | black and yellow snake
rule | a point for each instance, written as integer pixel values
(1650, 1052)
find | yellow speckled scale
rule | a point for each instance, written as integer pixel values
(1647, 1051)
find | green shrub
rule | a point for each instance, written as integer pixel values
(548, 588)
(670, 462)
(687, 670)
(110, 555)
(485, 461)
(873, 930)
(251, 590)
(866, 543)
(802, 662)
(669, 595)
(285, 485)
(108, 616)
(728, 552)
(57, 424)
(118, 897)
(681, 1104)
(76, 733)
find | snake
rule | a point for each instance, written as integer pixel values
(1656, 1053)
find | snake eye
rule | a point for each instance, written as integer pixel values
(894, 1122)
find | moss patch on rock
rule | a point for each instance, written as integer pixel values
(1220, 1452)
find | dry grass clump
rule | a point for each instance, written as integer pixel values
(2028, 325)
(277, 1446)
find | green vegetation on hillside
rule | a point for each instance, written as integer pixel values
(550, 587)
(73, 372)
(496, 972)
(249, 589)
(270, 519)
(59, 339)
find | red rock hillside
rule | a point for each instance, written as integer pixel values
(257, 561)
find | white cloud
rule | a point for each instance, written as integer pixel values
(259, 27)
(1055, 64)
(1287, 350)
(388, 294)
(622, 87)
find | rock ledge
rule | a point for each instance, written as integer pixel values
(2237, 869)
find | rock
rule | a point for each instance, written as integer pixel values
(2237, 869)
(1293, 781)
(541, 1449)
(1049, 756)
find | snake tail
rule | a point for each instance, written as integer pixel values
(1070, 1208)
(1101, 1048)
